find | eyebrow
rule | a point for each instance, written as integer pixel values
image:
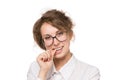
(50, 34)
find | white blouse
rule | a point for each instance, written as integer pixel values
(72, 70)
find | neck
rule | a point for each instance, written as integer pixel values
(62, 61)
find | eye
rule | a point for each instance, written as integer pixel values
(47, 37)
(60, 33)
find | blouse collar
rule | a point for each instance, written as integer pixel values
(66, 70)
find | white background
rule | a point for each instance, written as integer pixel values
(97, 34)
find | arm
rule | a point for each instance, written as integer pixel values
(45, 61)
(39, 70)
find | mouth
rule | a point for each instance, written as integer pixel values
(58, 49)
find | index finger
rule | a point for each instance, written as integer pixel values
(52, 52)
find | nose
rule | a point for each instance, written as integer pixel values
(55, 41)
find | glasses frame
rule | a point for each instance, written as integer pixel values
(53, 37)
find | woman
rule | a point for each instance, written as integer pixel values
(53, 33)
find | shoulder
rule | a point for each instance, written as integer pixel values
(90, 70)
(34, 64)
(86, 66)
(34, 68)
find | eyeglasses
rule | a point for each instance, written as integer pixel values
(60, 36)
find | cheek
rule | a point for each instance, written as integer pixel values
(67, 44)
(66, 47)
(47, 48)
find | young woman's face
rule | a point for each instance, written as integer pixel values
(56, 39)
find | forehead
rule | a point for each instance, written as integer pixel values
(48, 29)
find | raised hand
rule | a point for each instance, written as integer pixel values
(45, 61)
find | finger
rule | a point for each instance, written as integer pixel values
(48, 54)
(52, 53)
(42, 57)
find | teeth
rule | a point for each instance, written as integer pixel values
(59, 48)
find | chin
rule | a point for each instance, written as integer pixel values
(60, 55)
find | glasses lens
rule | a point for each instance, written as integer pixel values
(48, 40)
(60, 36)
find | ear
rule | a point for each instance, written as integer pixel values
(71, 34)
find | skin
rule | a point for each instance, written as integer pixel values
(51, 55)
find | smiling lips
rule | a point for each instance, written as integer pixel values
(58, 50)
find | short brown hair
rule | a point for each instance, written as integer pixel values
(54, 17)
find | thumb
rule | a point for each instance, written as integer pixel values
(52, 53)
